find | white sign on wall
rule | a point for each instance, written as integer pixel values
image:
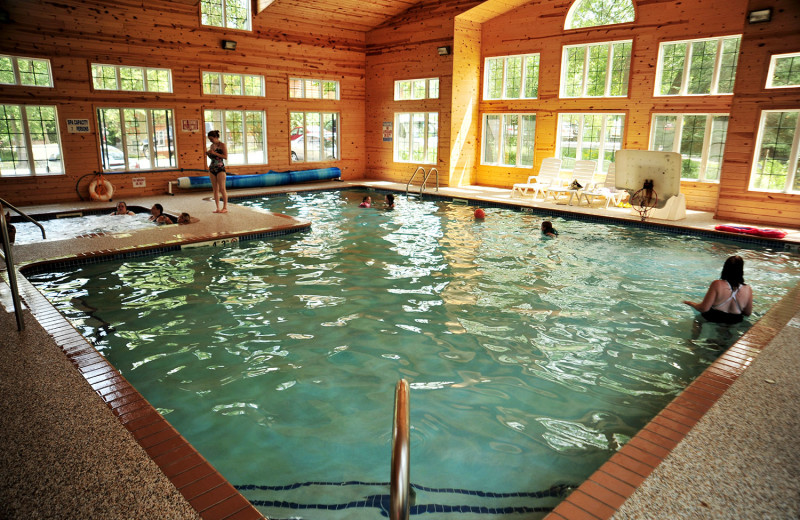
(138, 182)
(78, 126)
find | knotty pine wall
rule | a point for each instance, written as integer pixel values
(760, 41)
(656, 21)
(160, 33)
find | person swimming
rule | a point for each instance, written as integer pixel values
(122, 209)
(548, 229)
(728, 300)
(366, 202)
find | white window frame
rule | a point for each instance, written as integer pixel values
(18, 75)
(224, 131)
(300, 85)
(687, 63)
(676, 141)
(151, 135)
(586, 68)
(773, 63)
(145, 81)
(579, 137)
(793, 155)
(334, 138)
(426, 151)
(219, 81)
(224, 6)
(503, 135)
(51, 150)
(431, 89)
(523, 79)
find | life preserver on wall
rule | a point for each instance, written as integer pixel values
(101, 189)
(748, 230)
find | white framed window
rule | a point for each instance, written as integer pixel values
(314, 136)
(30, 143)
(29, 72)
(426, 88)
(593, 13)
(416, 137)
(596, 69)
(313, 88)
(233, 14)
(511, 77)
(131, 79)
(227, 84)
(136, 138)
(775, 163)
(244, 132)
(699, 138)
(590, 136)
(784, 71)
(697, 67)
(508, 140)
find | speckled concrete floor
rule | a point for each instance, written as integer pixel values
(64, 455)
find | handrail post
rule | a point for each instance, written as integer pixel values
(12, 272)
(401, 469)
(408, 184)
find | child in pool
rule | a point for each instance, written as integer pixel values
(548, 230)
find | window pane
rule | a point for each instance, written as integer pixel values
(252, 86)
(510, 136)
(158, 80)
(295, 88)
(313, 88)
(598, 64)
(692, 138)
(330, 134)
(772, 166)
(211, 83)
(211, 12)
(569, 130)
(237, 14)
(591, 13)
(532, 77)
(621, 66)
(313, 135)
(213, 121)
(491, 138)
(663, 138)
(513, 77)
(433, 138)
(403, 138)
(433, 88)
(673, 58)
(233, 84)
(615, 126)
(255, 141)
(330, 90)
(104, 77)
(701, 67)
(728, 61)
(418, 89)
(786, 72)
(716, 148)
(13, 149)
(574, 72)
(234, 136)
(528, 132)
(494, 78)
(131, 78)
(7, 71)
(43, 132)
(163, 150)
(418, 136)
(35, 73)
(590, 136)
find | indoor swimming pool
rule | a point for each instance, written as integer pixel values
(531, 360)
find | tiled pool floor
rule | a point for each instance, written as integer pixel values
(67, 455)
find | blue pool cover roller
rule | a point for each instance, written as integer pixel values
(260, 180)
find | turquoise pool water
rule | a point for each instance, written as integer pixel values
(531, 360)
(71, 227)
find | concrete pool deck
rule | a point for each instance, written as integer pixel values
(730, 447)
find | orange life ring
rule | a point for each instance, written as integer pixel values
(101, 189)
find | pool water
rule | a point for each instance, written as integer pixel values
(71, 227)
(531, 360)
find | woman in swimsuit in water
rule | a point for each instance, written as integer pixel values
(729, 299)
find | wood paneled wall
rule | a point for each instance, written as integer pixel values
(161, 33)
(760, 42)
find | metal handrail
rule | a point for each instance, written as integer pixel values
(22, 214)
(401, 469)
(8, 258)
(425, 180)
(414, 175)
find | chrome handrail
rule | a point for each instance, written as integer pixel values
(21, 214)
(414, 175)
(401, 469)
(425, 180)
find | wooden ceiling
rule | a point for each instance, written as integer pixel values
(354, 15)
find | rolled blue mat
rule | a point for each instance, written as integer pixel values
(260, 180)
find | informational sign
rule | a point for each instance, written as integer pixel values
(190, 125)
(78, 126)
(387, 130)
(139, 182)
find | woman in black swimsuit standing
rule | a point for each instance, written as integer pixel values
(728, 299)
(218, 152)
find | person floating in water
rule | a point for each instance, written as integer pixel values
(389, 201)
(729, 299)
(548, 230)
(122, 209)
(366, 202)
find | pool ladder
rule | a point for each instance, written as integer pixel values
(8, 258)
(400, 493)
(425, 177)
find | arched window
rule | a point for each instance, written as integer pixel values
(591, 13)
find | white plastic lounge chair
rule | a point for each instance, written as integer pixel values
(548, 173)
(583, 173)
(607, 191)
